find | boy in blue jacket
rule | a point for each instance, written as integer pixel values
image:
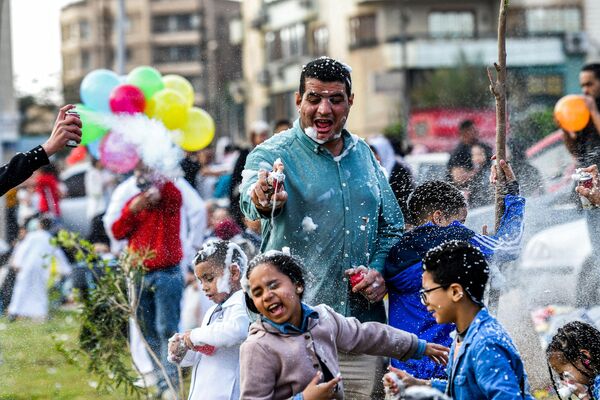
(439, 210)
(483, 363)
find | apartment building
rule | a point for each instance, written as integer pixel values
(392, 44)
(190, 38)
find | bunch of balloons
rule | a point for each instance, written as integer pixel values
(571, 113)
(168, 98)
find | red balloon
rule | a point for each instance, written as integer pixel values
(127, 99)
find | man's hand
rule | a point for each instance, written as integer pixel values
(147, 199)
(260, 194)
(593, 194)
(590, 103)
(321, 391)
(372, 286)
(66, 128)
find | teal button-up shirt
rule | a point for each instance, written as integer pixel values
(322, 221)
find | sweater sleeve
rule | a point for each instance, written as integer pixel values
(21, 167)
(373, 338)
(506, 244)
(126, 223)
(258, 372)
(231, 332)
(258, 159)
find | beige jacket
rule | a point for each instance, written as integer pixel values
(277, 366)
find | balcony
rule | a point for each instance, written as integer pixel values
(429, 53)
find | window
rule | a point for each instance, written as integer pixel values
(451, 24)
(175, 23)
(84, 30)
(196, 82)
(85, 60)
(286, 43)
(320, 39)
(363, 31)
(553, 20)
(175, 54)
(545, 85)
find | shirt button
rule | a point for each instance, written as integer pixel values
(344, 184)
(307, 337)
(344, 279)
(346, 255)
(347, 232)
(342, 303)
(316, 366)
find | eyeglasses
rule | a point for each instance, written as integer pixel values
(423, 293)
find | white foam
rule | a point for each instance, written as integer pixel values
(308, 225)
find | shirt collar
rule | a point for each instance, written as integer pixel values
(314, 146)
(287, 328)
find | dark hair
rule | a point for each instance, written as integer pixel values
(574, 337)
(326, 69)
(434, 195)
(283, 121)
(592, 67)
(466, 124)
(286, 264)
(459, 262)
(222, 253)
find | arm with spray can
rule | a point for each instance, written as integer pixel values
(588, 186)
(268, 194)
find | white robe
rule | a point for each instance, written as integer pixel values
(217, 377)
(33, 258)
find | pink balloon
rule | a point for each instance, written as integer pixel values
(118, 155)
(127, 99)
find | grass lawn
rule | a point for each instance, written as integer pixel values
(31, 368)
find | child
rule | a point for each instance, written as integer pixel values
(292, 349)
(574, 354)
(439, 211)
(484, 363)
(213, 348)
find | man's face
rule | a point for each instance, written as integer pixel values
(324, 107)
(590, 85)
(469, 135)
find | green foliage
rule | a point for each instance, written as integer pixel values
(103, 341)
(466, 86)
(534, 126)
(395, 130)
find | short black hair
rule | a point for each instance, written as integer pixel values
(283, 121)
(459, 262)
(285, 263)
(592, 67)
(466, 124)
(326, 69)
(574, 337)
(434, 195)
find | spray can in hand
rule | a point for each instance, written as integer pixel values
(585, 180)
(72, 143)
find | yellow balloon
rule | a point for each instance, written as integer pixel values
(180, 85)
(170, 107)
(198, 132)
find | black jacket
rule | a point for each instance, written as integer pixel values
(21, 167)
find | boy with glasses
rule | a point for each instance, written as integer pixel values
(484, 362)
(439, 210)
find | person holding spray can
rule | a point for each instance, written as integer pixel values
(22, 165)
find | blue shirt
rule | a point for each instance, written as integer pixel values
(322, 219)
(288, 329)
(487, 366)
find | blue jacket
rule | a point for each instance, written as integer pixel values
(487, 366)
(403, 272)
(322, 219)
(596, 388)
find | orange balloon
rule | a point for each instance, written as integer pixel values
(571, 113)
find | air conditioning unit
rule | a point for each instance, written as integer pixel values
(576, 43)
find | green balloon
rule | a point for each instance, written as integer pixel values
(147, 79)
(91, 127)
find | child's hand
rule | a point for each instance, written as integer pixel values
(437, 353)
(321, 391)
(508, 172)
(405, 377)
(174, 343)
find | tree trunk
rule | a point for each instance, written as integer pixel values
(498, 89)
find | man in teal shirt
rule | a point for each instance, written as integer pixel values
(337, 211)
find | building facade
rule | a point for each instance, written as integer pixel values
(190, 38)
(393, 44)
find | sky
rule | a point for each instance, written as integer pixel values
(35, 29)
